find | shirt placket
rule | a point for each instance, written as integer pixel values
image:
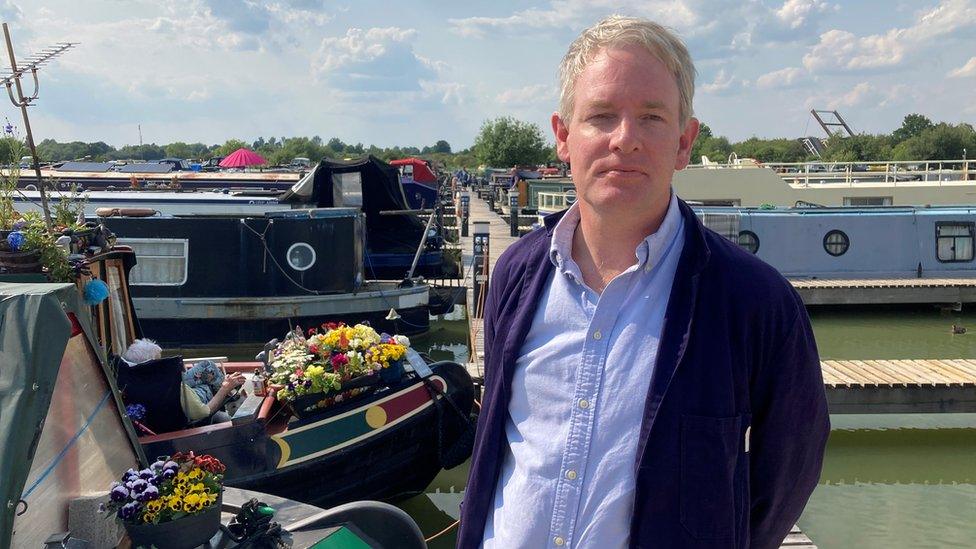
(585, 399)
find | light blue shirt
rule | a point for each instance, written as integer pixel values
(577, 401)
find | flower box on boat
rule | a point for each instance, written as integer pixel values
(316, 370)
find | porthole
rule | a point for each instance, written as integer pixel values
(836, 243)
(300, 256)
(749, 241)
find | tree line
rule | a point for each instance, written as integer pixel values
(506, 141)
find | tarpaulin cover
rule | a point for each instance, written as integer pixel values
(381, 192)
(421, 171)
(34, 331)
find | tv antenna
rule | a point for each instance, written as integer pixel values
(13, 80)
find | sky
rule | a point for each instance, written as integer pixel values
(411, 73)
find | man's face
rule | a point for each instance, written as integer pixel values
(625, 138)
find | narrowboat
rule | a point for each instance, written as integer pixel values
(68, 433)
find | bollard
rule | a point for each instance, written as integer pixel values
(465, 212)
(479, 273)
(513, 210)
(491, 199)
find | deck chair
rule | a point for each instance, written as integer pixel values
(157, 386)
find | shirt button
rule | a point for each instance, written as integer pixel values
(597, 335)
(583, 403)
(558, 540)
(571, 474)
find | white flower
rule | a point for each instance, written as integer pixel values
(402, 340)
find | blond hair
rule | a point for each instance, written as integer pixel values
(617, 30)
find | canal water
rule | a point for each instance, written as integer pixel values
(889, 481)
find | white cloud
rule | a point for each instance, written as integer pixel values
(527, 95)
(724, 83)
(842, 50)
(574, 14)
(969, 69)
(794, 13)
(446, 92)
(782, 78)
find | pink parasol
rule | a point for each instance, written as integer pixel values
(242, 158)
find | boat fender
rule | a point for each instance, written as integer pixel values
(125, 212)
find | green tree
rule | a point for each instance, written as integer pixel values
(857, 148)
(939, 142)
(912, 126)
(230, 146)
(506, 141)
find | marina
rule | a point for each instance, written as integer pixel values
(245, 258)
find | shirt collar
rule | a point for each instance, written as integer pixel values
(649, 251)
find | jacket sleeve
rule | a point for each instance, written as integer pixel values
(789, 433)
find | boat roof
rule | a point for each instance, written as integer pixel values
(84, 167)
(421, 171)
(147, 167)
(841, 210)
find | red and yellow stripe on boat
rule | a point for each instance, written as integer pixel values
(334, 433)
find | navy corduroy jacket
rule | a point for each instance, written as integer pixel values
(735, 420)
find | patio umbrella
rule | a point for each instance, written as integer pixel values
(242, 158)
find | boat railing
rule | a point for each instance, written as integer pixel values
(903, 172)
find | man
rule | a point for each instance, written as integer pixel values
(648, 383)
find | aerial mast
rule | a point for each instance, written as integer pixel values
(12, 80)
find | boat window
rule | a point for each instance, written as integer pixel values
(836, 243)
(954, 241)
(160, 261)
(350, 186)
(749, 241)
(118, 310)
(867, 201)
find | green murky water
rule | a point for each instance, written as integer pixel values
(889, 481)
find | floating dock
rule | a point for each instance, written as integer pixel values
(884, 291)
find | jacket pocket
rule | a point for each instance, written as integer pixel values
(710, 449)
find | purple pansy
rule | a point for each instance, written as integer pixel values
(130, 510)
(119, 493)
(150, 493)
(137, 486)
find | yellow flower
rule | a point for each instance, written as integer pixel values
(174, 503)
(198, 487)
(154, 506)
(148, 517)
(192, 499)
(195, 474)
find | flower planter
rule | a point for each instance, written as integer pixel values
(393, 374)
(20, 262)
(184, 533)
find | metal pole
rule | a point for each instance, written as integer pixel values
(513, 206)
(420, 248)
(27, 128)
(465, 212)
(479, 273)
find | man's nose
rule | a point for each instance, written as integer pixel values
(625, 137)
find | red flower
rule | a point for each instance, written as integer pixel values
(312, 331)
(314, 349)
(343, 341)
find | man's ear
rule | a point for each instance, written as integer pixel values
(685, 143)
(560, 131)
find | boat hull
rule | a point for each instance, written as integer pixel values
(385, 446)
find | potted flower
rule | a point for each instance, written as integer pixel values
(318, 369)
(175, 502)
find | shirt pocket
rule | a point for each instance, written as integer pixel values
(710, 448)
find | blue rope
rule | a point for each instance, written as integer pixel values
(54, 463)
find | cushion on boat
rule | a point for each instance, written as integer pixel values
(157, 385)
